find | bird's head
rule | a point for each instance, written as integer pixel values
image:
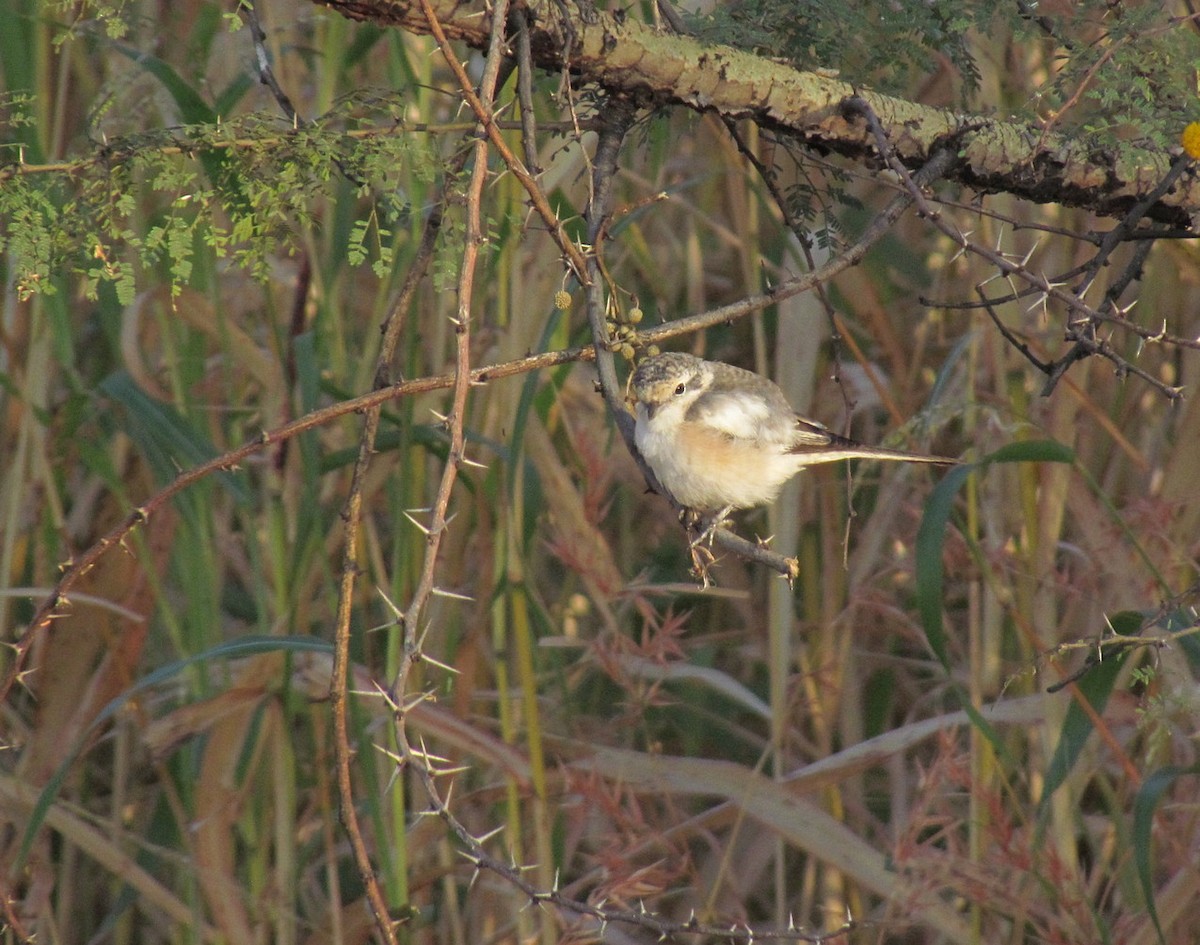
(666, 385)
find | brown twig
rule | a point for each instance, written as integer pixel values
(1080, 329)
(1012, 339)
(266, 74)
(353, 511)
(617, 116)
(573, 254)
(525, 91)
(1077, 95)
(425, 766)
(55, 604)
(352, 519)
(7, 901)
(454, 422)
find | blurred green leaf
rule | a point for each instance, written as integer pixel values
(1144, 806)
(932, 533)
(1095, 686)
(167, 440)
(234, 649)
(217, 163)
(931, 538)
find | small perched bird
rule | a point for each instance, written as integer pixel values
(720, 438)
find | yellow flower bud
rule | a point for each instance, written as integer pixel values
(1190, 139)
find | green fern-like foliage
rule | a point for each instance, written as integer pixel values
(241, 189)
(884, 44)
(1109, 70)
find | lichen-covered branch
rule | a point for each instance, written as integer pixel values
(631, 58)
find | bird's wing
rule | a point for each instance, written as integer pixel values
(742, 415)
(810, 435)
(820, 445)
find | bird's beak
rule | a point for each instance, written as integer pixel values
(651, 409)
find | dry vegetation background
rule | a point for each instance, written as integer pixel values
(749, 756)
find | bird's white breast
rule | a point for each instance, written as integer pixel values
(707, 468)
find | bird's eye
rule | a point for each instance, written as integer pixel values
(680, 389)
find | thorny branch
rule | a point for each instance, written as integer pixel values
(425, 767)
(483, 112)
(1081, 327)
(352, 519)
(879, 227)
(1111, 645)
(455, 420)
(455, 423)
(803, 238)
(54, 605)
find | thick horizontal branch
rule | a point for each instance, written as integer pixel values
(626, 56)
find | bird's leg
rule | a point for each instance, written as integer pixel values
(702, 560)
(702, 557)
(689, 519)
(710, 531)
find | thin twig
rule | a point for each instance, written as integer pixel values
(525, 91)
(617, 116)
(456, 419)
(55, 604)
(573, 254)
(1043, 366)
(266, 74)
(804, 239)
(126, 148)
(7, 901)
(1080, 329)
(455, 423)
(879, 227)
(352, 520)
(480, 859)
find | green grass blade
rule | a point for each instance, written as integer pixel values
(234, 649)
(930, 573)
(165, 437)
(932, 533)
(1144, 806)
(1095, 686)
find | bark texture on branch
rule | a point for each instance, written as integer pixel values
(628, 57)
